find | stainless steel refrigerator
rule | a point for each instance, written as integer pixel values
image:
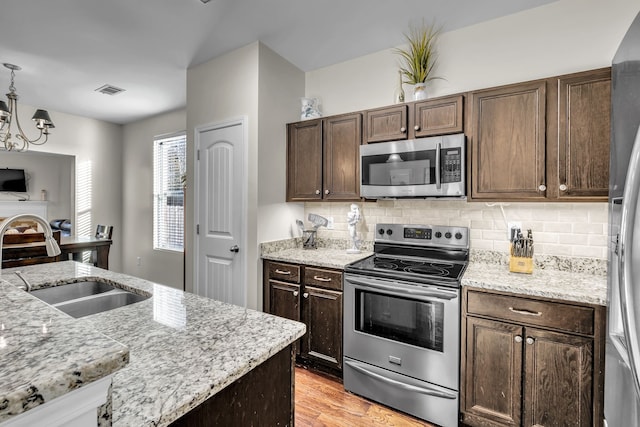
(622, 366)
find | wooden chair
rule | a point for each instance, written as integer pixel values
(23, 249)
(104, 231)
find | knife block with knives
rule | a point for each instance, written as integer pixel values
(521, 252)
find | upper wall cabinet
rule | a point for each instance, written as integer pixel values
(437, 116)
(323, 159)
(542, 140)
(440, 116)
(507, 141)
(582, 136)
(386, 124)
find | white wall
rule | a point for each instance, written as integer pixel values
(164, 267)
(97, 147)
(53, 173)
(559, 38)
(222, 89)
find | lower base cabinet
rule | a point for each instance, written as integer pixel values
(530, 362)
(313, 296)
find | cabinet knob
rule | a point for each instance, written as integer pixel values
(416, 127)
(317, 191)
(563, 187)
(529, 340)
(306, 295)
(326, 191)
(295, 293)
(518, 339)
(403, 129)
(542, 187)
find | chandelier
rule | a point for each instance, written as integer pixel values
(7, 115)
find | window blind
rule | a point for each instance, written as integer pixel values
(169, 168)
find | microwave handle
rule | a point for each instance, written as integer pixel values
(438, 183)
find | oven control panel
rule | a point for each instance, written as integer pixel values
(426, 235)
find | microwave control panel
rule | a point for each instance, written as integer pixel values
(451, 165)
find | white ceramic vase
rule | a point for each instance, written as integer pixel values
(419, 91)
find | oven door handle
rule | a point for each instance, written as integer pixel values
(434, 293)
(423, 390)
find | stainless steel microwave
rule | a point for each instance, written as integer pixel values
(423, 167)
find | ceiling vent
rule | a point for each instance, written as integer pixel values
(109, 90)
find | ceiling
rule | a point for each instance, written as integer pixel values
(69, 48)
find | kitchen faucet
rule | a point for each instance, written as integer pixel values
(49, 242)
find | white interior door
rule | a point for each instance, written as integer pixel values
(220, 212)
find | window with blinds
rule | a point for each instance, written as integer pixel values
(169, 170)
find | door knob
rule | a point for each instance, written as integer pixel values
(234, 248)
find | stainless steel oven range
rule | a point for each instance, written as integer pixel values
(402, 320)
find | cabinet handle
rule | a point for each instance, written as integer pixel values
(295, 293)
(285, 272)
(416, 127)
(306, 295)
(317, 191)
(321, 279)
(326, 191)
(563, 187)
(518, 339)
(542, 187)
(529, 340)
(525, 312)
(403, 129)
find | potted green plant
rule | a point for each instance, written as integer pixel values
(419, 58)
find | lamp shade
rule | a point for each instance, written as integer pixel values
(4, 110)
(42, 119)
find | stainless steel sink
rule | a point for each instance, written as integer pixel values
(83, 298)
(71, 291)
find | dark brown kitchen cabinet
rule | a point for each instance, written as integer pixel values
(529, 361)
(542, 140)
(304, 161)
(581, 135)
(323, 159)
(311, 295)
(438, 116)
(507, 142)
(386, 124)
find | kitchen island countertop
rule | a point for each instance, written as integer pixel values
(182, 348)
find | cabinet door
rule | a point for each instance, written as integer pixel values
(386, 124)
(508, 142)
(304, 161)
(493, 378)
(583, 132)
(342, 138)
(438, 116)
(322, 313)
(284, 299)
(558, 379)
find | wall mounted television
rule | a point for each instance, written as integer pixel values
(13, 180)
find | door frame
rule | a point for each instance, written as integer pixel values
(242, 254)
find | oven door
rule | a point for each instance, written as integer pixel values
(415, 168)
(410, 329)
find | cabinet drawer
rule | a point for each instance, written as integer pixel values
(325, 278)
(557, 315)
(286, 272)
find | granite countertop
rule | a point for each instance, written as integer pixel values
(563, 285)
(183, 348)
(321, 257)
(44, 353)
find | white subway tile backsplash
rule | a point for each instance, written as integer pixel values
(564, 229)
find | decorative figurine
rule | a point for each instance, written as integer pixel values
(353, 218)
(310, 108)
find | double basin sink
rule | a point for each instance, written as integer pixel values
(87, 297)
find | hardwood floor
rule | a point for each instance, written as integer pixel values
(321, 401)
